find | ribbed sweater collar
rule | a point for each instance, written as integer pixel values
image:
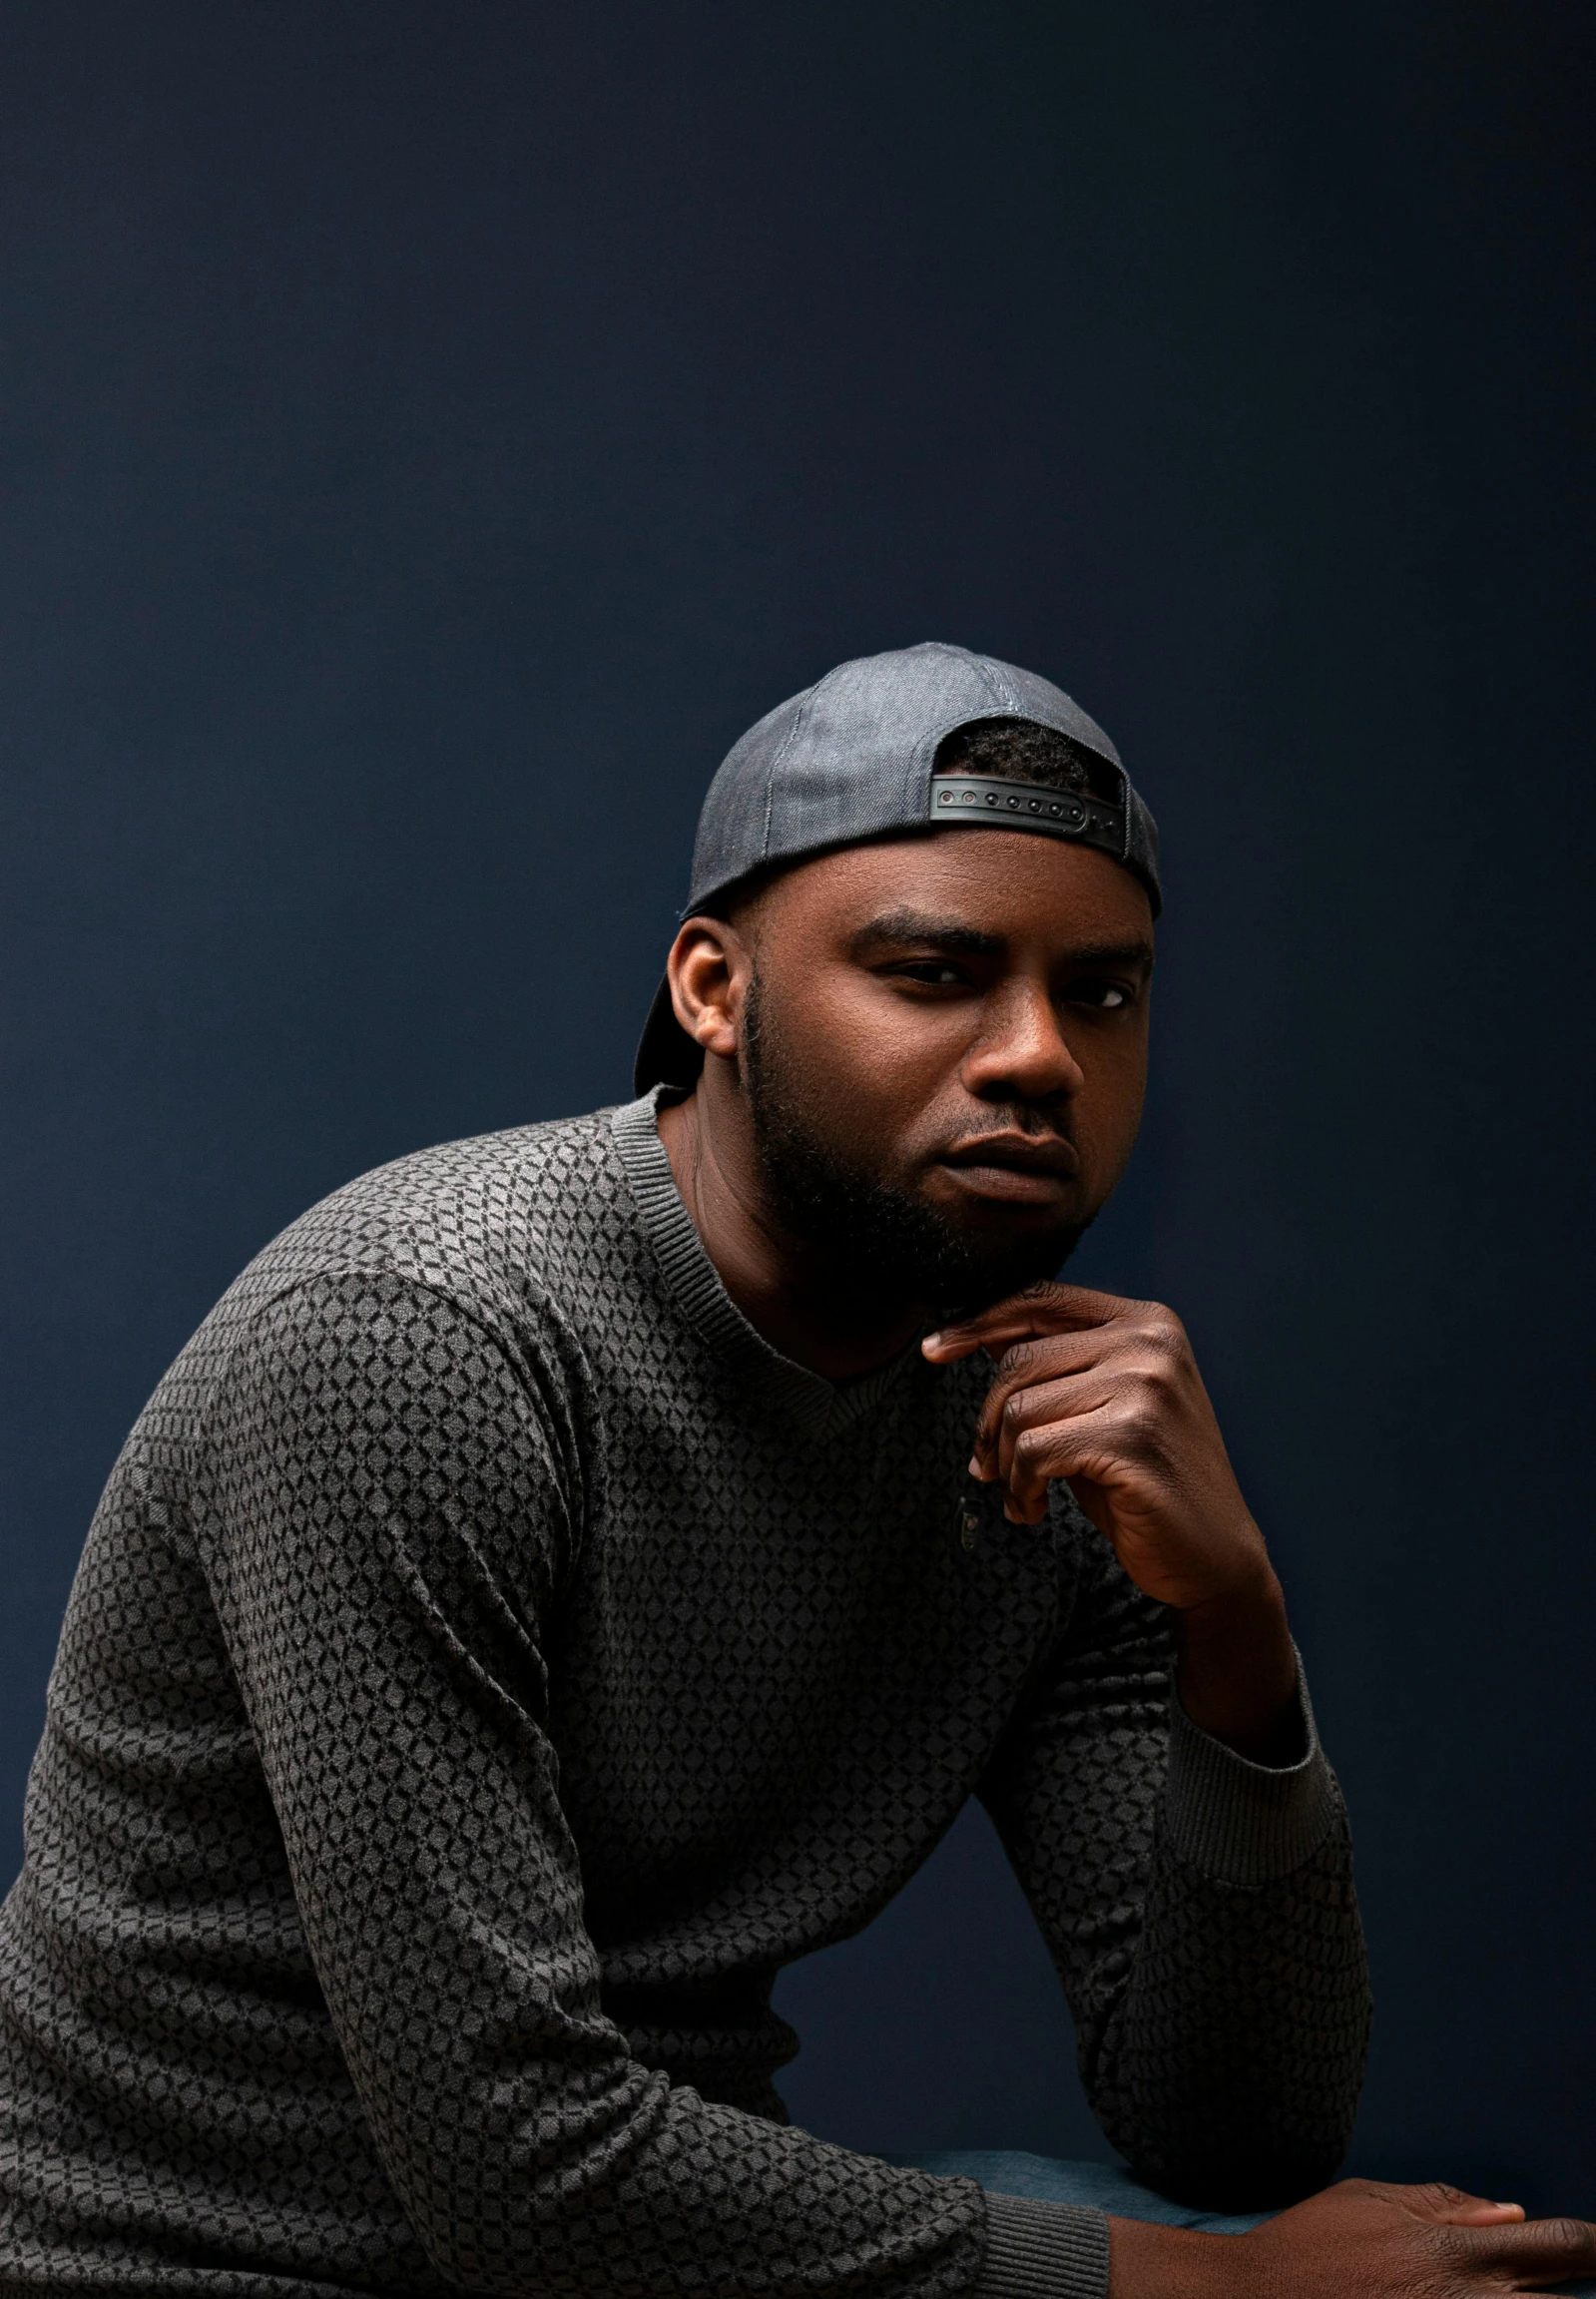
(815, 1406)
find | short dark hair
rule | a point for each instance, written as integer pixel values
(1019, 750)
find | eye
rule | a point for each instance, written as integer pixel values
(939, 973)
(1102, 997)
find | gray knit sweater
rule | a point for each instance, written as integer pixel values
(490, 1663)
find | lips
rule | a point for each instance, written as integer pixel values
(1022, 1153)
(1017, 1167)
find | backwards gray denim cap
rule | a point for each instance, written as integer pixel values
(851, 759)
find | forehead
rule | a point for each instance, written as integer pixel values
(1016, 884)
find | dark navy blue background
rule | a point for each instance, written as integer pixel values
(430, 435)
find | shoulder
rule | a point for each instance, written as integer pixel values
(488, 1223)
(522, 1237)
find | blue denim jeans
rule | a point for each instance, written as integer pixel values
(1104, 2185)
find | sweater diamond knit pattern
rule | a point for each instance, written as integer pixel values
(489, 1664)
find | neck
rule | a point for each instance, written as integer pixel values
(785, 1287)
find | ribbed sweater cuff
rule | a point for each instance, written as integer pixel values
(1043, 2250)
(1243, 1823)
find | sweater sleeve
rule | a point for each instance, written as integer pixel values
(388, 1495)
(1198, 1907)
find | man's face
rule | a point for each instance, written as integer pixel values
(943, 1043)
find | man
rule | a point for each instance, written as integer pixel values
(572, 1574)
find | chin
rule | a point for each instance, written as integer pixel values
(983, 1265)
(998, 1226)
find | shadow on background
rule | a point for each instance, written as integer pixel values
(432, 434)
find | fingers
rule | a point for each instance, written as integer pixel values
(1447, 2206)
(1141, 1358)
(1534, 2252)
(1473, 2214)
(1057, 1430)
(1146, 1342)
(1104, 1393)
(1039, 1310)
(1493, 2239)
(1087, 1444)
(1025, 1377)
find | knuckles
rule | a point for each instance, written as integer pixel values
(1142, 1372)
(1160, 1377)
(1164, 1338)
(1031, 1447)
(1153, 1381)
(1027, 1408)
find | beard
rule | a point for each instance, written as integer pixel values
(873, 1236)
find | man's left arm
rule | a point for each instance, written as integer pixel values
(1186, 1856)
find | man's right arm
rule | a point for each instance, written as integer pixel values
(1198, 1909)
(1271, 2040)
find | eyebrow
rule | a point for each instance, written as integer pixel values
(937, 933)
(955, 940)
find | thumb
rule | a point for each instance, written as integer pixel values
(1448, 2206)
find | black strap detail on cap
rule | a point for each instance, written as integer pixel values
(985, 804)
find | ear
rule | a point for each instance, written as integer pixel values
(708, 969)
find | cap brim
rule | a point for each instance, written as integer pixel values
(665, 1055)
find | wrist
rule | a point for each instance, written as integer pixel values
(1146, 2261)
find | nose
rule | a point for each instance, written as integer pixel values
(1021, 1052)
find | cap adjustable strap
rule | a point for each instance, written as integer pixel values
(983, 802)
